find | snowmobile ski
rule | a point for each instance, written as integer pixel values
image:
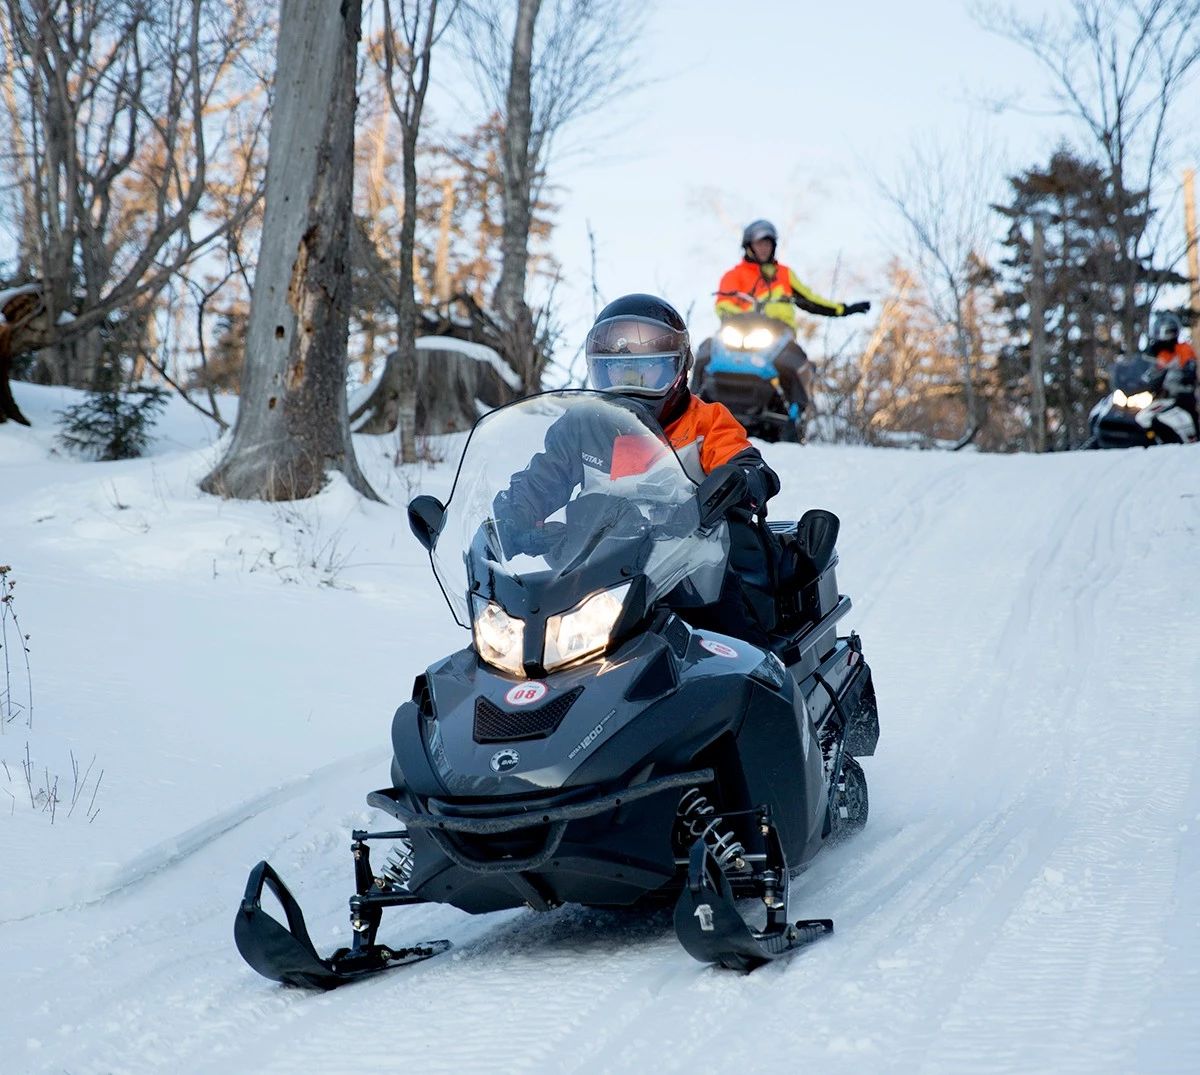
(286, 953)
(712, 930)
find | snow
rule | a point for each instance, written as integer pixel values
(1026, 896)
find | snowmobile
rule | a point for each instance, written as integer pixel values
(590, 746)
(1136, 413)
(737, 368)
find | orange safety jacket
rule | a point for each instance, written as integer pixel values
(705, 436)
(778, 285)
(1183, 353)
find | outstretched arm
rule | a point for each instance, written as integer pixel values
(809, 300)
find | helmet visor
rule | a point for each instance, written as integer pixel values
(638, 355)
(637, 374)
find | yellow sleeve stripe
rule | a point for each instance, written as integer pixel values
(809, 295)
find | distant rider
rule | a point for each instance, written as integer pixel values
(760, 275)
(639, 348)
(1176, 360)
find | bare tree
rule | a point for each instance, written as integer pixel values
(1117, 67)
(940, 196)
(542, 65)
(408, 41)
(292, 426)
(113, 102)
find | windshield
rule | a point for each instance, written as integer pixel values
(569, 492)
(1132, 373)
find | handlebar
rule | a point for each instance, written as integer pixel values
(759, 304)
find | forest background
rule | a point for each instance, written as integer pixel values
(516, 165)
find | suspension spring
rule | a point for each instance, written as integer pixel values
(698, 820)
(399, 866)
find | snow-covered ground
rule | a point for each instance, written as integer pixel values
(1026, 896)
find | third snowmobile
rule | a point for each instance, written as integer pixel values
(590, 746)
(1136, 413)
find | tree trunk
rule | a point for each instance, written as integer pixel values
(518, 212)
(1193, 244)
(1037, 340)
(441, 268)
(8, 405)
(292, 426)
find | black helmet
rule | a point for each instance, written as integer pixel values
(755, 230)
(639, 347)
(1166, 329)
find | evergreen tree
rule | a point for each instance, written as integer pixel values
(111, 424)
(1086, 271)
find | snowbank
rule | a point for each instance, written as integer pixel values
(1025, 897)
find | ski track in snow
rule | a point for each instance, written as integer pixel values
(1024, 897)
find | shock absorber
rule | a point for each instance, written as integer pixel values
(399, 866)
(697, 819)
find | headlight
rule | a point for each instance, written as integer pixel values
(585, 630)
(500, 638)
(1142, 399)
(758, 338)
(1119, 398)
(731, 336)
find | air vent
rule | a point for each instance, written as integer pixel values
(496, 725)
(676, 635)
(655, 681)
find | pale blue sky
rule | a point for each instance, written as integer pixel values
(780, 110)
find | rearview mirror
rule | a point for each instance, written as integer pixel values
(717, 494)
(425, 517)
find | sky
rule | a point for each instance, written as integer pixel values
(787, 111)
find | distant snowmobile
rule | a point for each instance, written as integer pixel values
(737, 368)
(590, 746)
(1137, 413)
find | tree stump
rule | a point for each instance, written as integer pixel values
(456, 382)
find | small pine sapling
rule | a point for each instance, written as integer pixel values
(110, 424)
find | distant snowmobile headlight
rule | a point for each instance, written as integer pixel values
(499, 638)
(731, 336)
(585, 630)
(1140, 400)
(758, 338)
(1119, 398)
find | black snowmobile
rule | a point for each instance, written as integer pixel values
(590, 746)
(1137, 413)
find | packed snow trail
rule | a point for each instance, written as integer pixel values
(1026, 896)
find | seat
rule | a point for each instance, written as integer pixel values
(806, 553)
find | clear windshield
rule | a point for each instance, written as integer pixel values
(1132, 373)
(574, 484)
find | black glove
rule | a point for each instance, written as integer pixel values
(855, 308)
(541, 540)
(739, 475)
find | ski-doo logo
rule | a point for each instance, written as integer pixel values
(526, 693)
(718, 649)
(705, 913)
(505, 760)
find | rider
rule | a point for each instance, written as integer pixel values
(1176, 361)
(639, 348)
(758, 274)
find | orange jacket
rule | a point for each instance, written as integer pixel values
(777, 284)
(1183, 353)
(705, 436)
